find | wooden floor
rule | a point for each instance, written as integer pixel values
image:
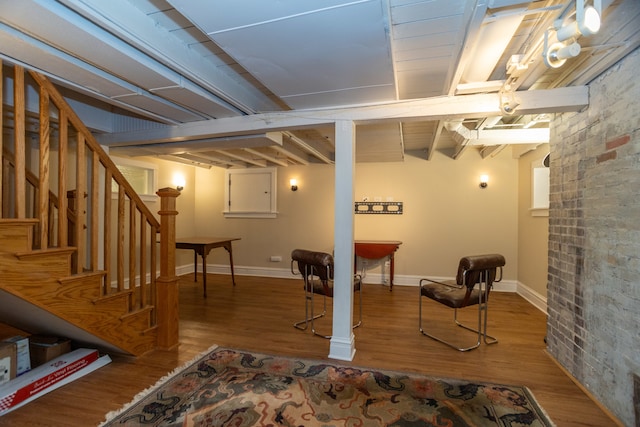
(257, 314)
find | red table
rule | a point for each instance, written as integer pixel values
(202, 246)
(376, 249)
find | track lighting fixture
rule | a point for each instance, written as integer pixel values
(508, 101)
(557, 54)
(586, 23)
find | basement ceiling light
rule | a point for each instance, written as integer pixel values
(557, 54)
(587, 21)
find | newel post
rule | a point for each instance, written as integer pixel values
(167, 283)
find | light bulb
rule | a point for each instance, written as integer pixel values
(591, 22)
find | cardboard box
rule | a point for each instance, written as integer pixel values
(7, 362)
(48, 377)
(23, 360)
(45, 348)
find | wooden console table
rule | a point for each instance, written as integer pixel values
(376, 249)
(202, 246)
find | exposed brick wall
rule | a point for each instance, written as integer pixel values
(594, 240)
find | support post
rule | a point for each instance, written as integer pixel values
(342, 339)
(167, 283)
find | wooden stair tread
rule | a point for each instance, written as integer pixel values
(151, 329)
(18, 221)
(137, 312)
(114, 295)
(44, 252)
(82, 276)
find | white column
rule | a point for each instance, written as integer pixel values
(342, 340)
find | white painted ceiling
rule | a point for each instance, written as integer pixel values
(158, 77)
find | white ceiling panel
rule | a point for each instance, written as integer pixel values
(360, 95)
(426, 10)
(160, 107)
(412, 51)
(451, 25)
(39, 57)
(382, 138)
(203, 104)
(436, 64)
(218, 16)
(414, 82)
(337, 49)
(69, 32)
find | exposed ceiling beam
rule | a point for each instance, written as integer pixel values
(246, 159)
(479, 87)
(292, 152)
(491, 151)
(267, 157)
(509, 136)
(214, 160)
(313, 149)
(518, 151)
(437, 108)
(431, 147)
(477, 15)
(460, 149)
(204, 145)
(185, 161)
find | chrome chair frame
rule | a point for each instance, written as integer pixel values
(484, 278)
(322, 271)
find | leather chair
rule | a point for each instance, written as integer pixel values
(316, 269)
(474, 270)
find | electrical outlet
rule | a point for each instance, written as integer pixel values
(275, 258)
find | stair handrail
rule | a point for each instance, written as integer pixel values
(91, 142)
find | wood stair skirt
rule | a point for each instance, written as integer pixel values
(43, 278)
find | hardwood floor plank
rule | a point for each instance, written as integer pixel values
(258, 313)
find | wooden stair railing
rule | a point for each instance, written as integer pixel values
(116, 236)
(33, 185)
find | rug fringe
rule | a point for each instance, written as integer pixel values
(538, 407)
(111, 415)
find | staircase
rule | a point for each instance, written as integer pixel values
(82, 267)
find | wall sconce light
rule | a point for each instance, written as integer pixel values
(484, 181)
(178, 181)
(294, 184)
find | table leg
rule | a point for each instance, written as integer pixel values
(204, 273)
(228, 248)
(195, 265)
(391, 264)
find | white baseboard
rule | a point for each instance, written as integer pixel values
(285, 273)
(537, 300)
(534, 298)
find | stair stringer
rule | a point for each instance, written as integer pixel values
(76, 300)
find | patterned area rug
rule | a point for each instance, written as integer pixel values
(228, 387)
